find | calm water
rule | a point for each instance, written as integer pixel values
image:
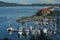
(14, 13)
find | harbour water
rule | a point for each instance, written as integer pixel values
(14, 13)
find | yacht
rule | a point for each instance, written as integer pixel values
(10, 30)
(27, 31)
(33, 32)
(45, 30)
(20, 31)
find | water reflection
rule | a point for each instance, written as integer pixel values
(40, 37)
(23, 37)
(31, 37)
(34, 37)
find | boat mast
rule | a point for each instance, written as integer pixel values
(55, 23)
(8, 21)
(26, 25)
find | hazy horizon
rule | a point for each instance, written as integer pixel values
(31, 1)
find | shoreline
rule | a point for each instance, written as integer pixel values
(48, 12)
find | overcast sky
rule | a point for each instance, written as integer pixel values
(31, 1)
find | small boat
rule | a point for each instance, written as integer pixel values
(45, 31)
(30, 28)
(20, 31)
(33, 32)
(39, 32)
(45, 22)
(10, 30)
(27, 31)
(36, 23)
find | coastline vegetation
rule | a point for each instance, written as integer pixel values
(38, 16)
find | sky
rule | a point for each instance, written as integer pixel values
(31, 1)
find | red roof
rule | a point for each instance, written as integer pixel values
(45, 10)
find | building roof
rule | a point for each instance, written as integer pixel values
(47, 9)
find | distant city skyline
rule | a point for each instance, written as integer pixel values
(31, 1)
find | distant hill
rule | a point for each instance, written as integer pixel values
(45, 4)
(8, 4)
(3, 4)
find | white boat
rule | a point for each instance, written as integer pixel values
(36, 23)
(33, 32)
(45, 30)
(45, 22)
(20, 31)
(10, 30)
(30, 28)
(55, 28)
(39, 32)
(27, 31)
